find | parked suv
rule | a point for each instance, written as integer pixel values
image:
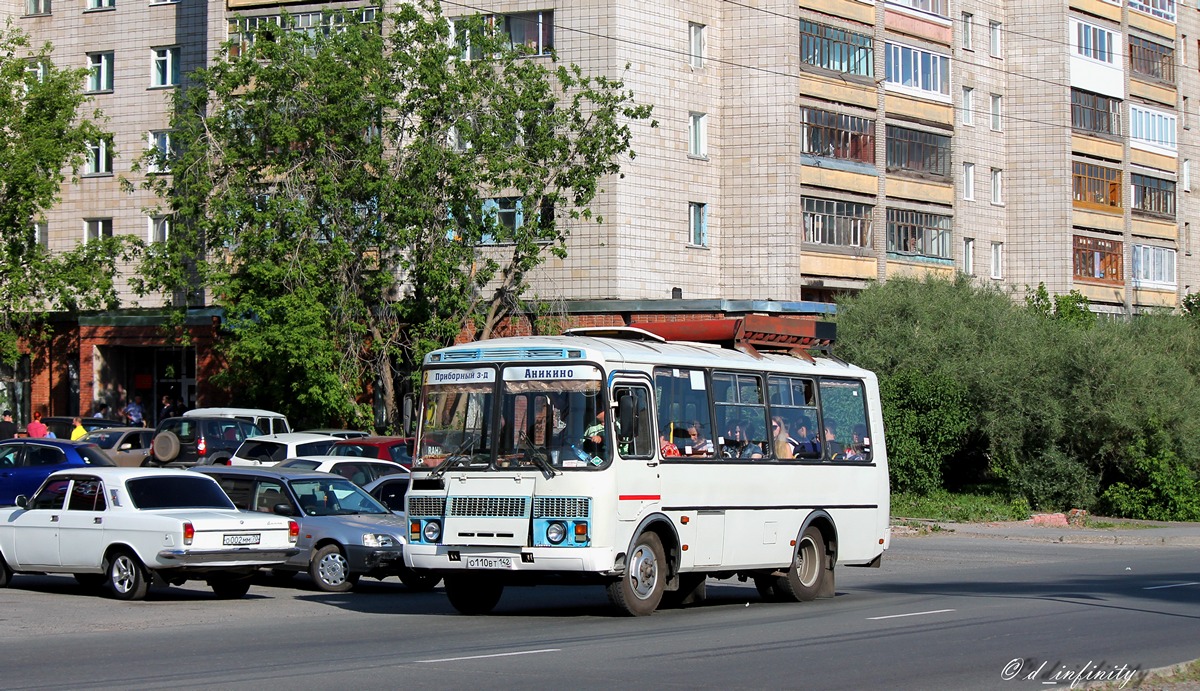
(196, 440)
(268, 421)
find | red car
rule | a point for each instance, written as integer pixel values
(398, 449)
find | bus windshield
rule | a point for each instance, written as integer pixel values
(542, 417)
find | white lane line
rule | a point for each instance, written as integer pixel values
(910, 614)
(480, 657)
(1173, 585)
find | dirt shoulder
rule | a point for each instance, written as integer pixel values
(1059, 528)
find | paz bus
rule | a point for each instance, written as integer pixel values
(647, 459)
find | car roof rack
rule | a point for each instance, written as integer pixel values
(751, 334)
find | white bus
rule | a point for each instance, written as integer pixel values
(553, 460)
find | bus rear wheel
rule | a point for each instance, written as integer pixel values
(640, 590)
(473, 596)
(805, 580)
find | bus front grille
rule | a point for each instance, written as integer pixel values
(500, 507)
(426, 506)
(561, 507)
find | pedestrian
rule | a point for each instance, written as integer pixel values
(167, 410)
(134, 414)
(8, 428)
(101, 410)
(36, 429)
(77, 431)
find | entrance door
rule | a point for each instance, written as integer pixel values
(638, 480)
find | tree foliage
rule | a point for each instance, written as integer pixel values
(44, 138)
(331, 188)
(1059, 408)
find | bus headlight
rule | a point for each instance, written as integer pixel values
(556, 532)
(432, 531)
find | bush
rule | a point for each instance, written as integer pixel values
(1053, 481)
(1160, 489)
(926, 417)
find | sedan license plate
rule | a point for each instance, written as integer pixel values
(489, 562)
(246, 539)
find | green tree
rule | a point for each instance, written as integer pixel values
(354, 198)
(44, 140)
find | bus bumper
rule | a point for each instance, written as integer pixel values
(443, 558)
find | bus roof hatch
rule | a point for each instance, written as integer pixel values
(751, 333)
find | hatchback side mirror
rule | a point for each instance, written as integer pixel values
(22, 501)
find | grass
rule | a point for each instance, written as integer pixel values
(960, 508)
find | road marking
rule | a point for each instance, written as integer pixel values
(1173, 585)
(910, 614)
(480, 657)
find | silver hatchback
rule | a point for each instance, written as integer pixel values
(344, 532)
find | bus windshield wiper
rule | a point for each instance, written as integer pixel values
(455, 459)
(537, 457)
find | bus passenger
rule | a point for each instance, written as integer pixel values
(667, 448)
(805, 441)
(779, 436)
(737, 444)
(697, 444)
(593, 436)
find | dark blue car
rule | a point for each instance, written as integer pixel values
(25, 463)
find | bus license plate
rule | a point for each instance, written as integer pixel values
(248, 539)
(489, 562)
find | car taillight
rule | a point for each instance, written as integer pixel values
(293, 531)
(201, 446)
(189, 533)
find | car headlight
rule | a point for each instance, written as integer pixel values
(432, 531)
(556, 532)
(378, 540)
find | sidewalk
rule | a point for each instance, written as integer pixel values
(1054, 528)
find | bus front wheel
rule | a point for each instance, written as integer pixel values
(640, 590)
(805, 579)
(473, 596)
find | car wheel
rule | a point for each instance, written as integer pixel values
(166, 446)
(126, 576)
(231, 588)
(639, 591)
(330, 570)
(90, 580)
(805, 580)
(5, 573)
(422, 581)
(473, 596)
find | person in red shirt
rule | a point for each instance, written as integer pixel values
(36, 429)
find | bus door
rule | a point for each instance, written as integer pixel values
(636, 465)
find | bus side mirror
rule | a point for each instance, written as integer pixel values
(625, 415)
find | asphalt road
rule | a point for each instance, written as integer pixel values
(944, 612)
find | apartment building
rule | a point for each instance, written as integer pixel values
(804, 147)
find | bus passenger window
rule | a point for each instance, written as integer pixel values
(683, 404)
(843, 407)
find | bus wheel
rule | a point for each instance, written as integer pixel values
(473, 595)
(804, 580)
(640, 590)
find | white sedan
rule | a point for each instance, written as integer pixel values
(131, 526)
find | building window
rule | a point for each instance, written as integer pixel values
(1185, 174)
(1164, 9)
(532, 30)
(997, 260)
(695, 45)
(1153, 127)
(968, 105)
(996, 122)
(994, 39)
(997, 186)
(968, 259)
(916, 151)
(968, 30)
(1153, 195)
(161, 150)
(100, 72)
(1094, 42)
(833, 222)
(97, 228)
(697, 135)
(1095, 113)
(160, 229)
(918, 232)
(836, 49)
(41, 233)
(166, 67)
(968, 181)
(37, 7)
(698, 223)
(938, 7)
(1150, 59)
(99, 158)
(1153, 266)
(918, 70)
(101, 4)
(1097, 259)
(835, 135)
(1095, 186)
